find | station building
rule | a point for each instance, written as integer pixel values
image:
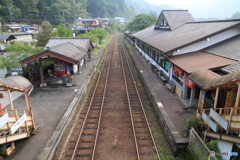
(199, 61)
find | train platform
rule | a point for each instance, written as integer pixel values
(171, 106)
(52, 107)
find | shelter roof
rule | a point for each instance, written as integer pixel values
(174, 18)
(189, 33)
(6, 37)
(65, 51)
(15, 83)
(84, 43)
(206, 79)
(199, 60)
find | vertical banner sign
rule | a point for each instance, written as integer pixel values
(189, 83)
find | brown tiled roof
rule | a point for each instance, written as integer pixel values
(83, 43)
(189, 33)
(68, 50)
(65, 51)
(199, 60)
(230, 49)
(176, 18)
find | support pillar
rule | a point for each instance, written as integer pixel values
(10, 99)
(42, 84)
(200, 101)
(89, 55)
(192, 96)
(216, 98)
(237, 99)
(27, 101)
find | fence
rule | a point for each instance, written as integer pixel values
(199, 148)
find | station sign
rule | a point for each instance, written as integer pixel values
(18, 123)
(3, 119)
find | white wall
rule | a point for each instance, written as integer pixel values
(212, 40)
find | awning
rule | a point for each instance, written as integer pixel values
(15, 83)
(206, 79)
(191, 62)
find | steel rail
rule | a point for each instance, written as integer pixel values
(129, 106)
(78, 115)
(146, 119)
(104, 93)
(88, 111)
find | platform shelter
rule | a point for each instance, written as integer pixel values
(16, 124)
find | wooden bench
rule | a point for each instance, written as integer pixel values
(171, 86)
(162, 76)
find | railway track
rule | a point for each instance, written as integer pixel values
(112, 124)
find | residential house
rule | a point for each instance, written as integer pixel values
(120, 20)
(84, 25)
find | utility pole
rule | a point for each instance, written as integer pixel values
(64, 19)
(10, 14)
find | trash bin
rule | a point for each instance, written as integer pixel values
(64, 80)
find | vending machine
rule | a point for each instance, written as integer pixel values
(59, 68)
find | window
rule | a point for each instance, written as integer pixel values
(166, 65)
(148, 50)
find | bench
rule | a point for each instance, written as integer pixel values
(171, 86)
(162, 76)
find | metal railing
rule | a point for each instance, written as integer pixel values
(199, 148)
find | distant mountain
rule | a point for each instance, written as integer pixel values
(143, 7)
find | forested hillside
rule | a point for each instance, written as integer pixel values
(61, 11)
(143, 7)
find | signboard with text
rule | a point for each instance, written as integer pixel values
(18, 123)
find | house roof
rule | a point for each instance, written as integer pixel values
(199, 60)
(6, 37)
(206, 79)
(84, 43)
(189, 33)
(15, 83)
(175, 18)
(65, 51)
(230, 49)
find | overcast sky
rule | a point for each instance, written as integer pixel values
(204, 8)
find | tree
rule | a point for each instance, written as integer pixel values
(141, 22)
(115, 27)
(63, 31)
(45, 34)
(96, 35)
(236, 15)
(17, 51)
